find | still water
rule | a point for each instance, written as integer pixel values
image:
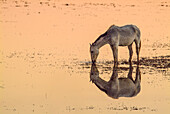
(45, 63)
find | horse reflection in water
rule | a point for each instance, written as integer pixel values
(117, 87)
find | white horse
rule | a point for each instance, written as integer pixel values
(117, 87)
(117, 36)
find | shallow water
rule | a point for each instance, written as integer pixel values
(45, 61)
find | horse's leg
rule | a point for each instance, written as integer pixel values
(138, 45)
(115, 54)
(130, 72)
(138, 76)
(130, 53)
(113, 83)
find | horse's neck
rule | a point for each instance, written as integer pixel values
(101, 84)
(99, 44)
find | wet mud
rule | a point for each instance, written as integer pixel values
(156, 62)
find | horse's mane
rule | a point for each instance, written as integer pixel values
(104, 34)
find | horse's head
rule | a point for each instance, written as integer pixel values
(94, 52)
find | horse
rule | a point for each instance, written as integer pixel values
(117, 36)
(117, 87)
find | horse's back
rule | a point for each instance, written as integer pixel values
(127, 87)
(126, 34)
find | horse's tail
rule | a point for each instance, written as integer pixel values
(137, 31)
(140, 45)
(138, 34)
(138, 37)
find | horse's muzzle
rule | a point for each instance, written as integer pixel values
(93, 61)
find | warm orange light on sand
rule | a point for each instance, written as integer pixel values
(45, 59)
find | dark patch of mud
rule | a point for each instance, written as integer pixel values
(157, 62)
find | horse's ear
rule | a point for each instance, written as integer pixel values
(90, 44)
